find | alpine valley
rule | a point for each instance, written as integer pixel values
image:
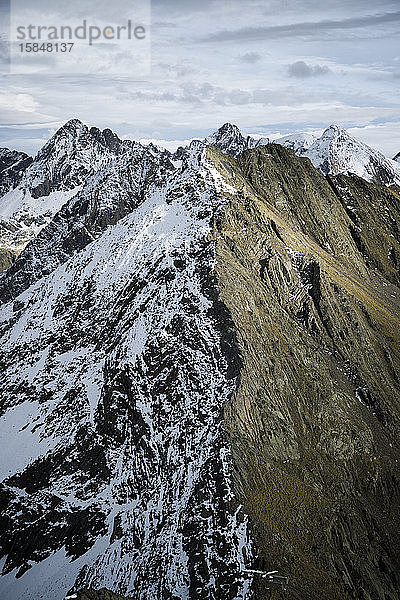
(199, 363)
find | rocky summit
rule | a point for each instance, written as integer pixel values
(200, 359)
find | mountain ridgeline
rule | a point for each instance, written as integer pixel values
(200, 359)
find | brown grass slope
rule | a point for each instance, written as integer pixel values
(307, 266)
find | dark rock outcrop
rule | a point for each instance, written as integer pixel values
(12, 167)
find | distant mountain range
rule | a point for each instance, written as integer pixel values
(75, 152)
(336, 151)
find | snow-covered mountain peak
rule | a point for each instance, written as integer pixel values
(74, 152)
(35, 190)
(66, 136)
(228, 138)
(227, 129)
(333, 130)
(75, 141)
(336, 151)
(298, 142)
(73, 126)
(334, 134)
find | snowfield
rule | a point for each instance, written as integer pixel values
(118, 353)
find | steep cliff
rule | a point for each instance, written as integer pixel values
(314, 424)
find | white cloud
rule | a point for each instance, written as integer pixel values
(20, 102)
(384, 137)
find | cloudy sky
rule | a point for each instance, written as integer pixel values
(271, 67)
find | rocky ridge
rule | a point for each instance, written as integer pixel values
(34, 190)
(134, 350)
(314, 424)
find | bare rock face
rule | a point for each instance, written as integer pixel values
(308, 276)
(12, 167)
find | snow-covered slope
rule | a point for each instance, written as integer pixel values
(336, 151)
(298, 142)
(397, 157)
(116, 370)
(23, 216)
(108, 195)
(34, 191)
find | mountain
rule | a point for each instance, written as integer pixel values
(73, 153)
(12, 167)
(200, 362)
(229, 139)
(336, 151)
(137, 463)
(298, 142)
(109, 194)
(397, 157)
(34, 190)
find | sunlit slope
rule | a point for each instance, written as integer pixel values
(315, 421)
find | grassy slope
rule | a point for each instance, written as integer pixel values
(316, 467)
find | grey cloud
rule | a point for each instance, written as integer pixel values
(302, 70)
(183, 5)
(180, 69)
(206, 94)
(287, 96)
(164, 25)
(240, 97)
(250, 57)
(302, 29)
(154, 96)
